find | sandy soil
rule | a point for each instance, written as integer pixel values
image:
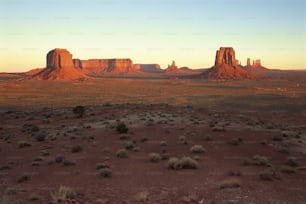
(233, 121)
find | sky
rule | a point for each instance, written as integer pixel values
(153, 31)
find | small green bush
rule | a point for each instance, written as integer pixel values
(121, 128)
(79, 111)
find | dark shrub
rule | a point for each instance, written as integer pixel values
(76, 148)
(79, 111)
(105, 172)
(121, 128)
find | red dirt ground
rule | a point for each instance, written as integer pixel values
(200, 109)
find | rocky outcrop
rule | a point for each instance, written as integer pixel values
(149, 68)
(226, 67)
(59, 67)
(172, 68)
(100, 66)
(255, 67)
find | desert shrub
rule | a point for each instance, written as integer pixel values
(197, 149)
(67, 162)
(124, 137)
(174, 163)
(230, 183)
(105, 172)
(234, 173)
(121, 128)
(22, 144)
(183, 163)
(261, 161)
(130, 145)
(23, 178)
(79, 111)
(102, 165)
(189, 163)
(154, 157)
(40, 136)
(267, 174)
(136, 149)
(182, 139)
(122, 153)
(164, 156)
(277, 138)
(163, 143)
(76, 148)
(235, 141)
(284, 150)
(142, 196)
(143, 139)
(292, 161)
(287, 170)
(59, 158)
(218, 129)
(34, 197)
(64, 193)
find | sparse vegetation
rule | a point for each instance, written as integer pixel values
(122, 153)
(64, 193)
(121, 128)
(197, 149)
(154, 157)
(79, 111)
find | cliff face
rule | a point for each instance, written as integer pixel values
(98, 66)
(226, 67)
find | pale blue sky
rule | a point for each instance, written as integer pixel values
(150, 31)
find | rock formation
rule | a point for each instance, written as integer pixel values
(100, 66)
(255, 67)
(226, 67)
(172, 68)
(59, 67)
(149, 68)
(226, 55)
(248, 62)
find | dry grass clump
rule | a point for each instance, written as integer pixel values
(154, 157)
(183, 163)
(64, 193)
(197, 149)
(122, 153)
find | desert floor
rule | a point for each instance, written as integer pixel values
(253, 134)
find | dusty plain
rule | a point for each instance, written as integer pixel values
(253, 132)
